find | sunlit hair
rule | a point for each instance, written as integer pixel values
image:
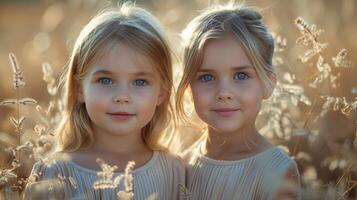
(245, 24)
(140, 30)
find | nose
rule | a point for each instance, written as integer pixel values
(121, 99)
(224, 93)
(122, 96)
(224, 96)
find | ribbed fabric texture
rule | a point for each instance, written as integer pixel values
(160, 177)
(253, 178)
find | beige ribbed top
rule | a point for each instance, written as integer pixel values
(159, 177)
(253, 178)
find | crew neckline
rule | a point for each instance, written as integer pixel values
(148, 164)
(231, 162)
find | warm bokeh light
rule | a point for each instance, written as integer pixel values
(313, 115)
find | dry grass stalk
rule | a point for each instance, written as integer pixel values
(340, 59)
(11, 172)
(18, 79)
(107, 180)
(309, 37)
(106, 176)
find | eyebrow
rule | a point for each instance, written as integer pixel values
(149, 74)
(107, 72)
(102, 72)
(235, 68)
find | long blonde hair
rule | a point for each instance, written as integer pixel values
(140, 30)
(244, 23)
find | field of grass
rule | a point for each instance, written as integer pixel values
(312, 114)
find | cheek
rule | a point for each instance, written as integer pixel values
(94, 92)
(145, 93)
(146, 99)
(201, 97)
(202, 93)
(252, 100)
(95, 96)
(95, 105)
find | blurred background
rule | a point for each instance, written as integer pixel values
(44, 31)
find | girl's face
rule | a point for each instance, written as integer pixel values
(121, 91)
(227, 92)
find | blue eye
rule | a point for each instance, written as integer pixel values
(140, 82)
(206, 78)
(240, 76)
(105, 81)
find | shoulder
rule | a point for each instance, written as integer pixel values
(278, 158)
(45, 179)
(275, 164)
(283, 176)
(289, 165)
(289, 187)
(171, 164)
(171, 159)
(48, 168)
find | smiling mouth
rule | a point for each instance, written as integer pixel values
(121, 115)
(225, 112)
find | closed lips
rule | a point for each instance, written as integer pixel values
(225, 112)
(226, 109)
(122, 114)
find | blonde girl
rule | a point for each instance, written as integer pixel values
(228, 70)
(117, 89)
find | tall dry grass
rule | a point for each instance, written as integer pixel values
(312, 114)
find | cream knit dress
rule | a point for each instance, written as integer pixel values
(253, 178)
(60, 179)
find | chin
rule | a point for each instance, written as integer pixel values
(121, 131)
(225, 129)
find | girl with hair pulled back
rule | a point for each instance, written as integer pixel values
(228, 72)
(117, 89)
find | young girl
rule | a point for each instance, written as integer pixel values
(118, 86)
(228, 70)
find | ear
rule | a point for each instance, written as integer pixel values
(80, 93)
(268, 89)
(162, 96)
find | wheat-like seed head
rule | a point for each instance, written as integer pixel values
(309, 37)
(340, 59)
(106, 176)
(18, 79)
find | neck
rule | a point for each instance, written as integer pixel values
(234, 145)
(120, 144)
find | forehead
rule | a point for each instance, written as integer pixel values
(121, 58)
(223, 52)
